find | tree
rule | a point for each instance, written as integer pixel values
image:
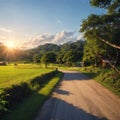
(92, 50)
(49, 57)
(36, 58)
(104, 28)
(60, 57)
(71, 57)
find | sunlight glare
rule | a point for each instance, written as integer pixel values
(10, 44)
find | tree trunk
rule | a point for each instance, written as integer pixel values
(110, 44)
(45, 65)
(111, 65)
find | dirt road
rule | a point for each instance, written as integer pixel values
(80, 98)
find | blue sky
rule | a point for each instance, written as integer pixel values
(35, 22)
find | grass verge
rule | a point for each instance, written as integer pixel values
(107, 77)
(27, 109)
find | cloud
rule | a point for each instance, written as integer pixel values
(58, 38)
(80, 37)
(5, 30)
(37, 40)
(63, 37)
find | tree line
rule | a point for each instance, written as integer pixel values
(68, 53)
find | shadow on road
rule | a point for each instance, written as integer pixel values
(75, 76)
(58, 109)
(63, 92)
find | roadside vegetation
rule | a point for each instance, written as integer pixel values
(107, 77)
(27, 109)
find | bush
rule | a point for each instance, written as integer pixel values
(2, 104)
(38, 81)
(16, 93)
(12, 96)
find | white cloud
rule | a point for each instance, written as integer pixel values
(58, 38)
(37, 40)
(5, 30)
(80, 37)
(63, 37)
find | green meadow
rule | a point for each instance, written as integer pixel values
(22, 85)
(10, 74)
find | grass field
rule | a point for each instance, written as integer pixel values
(27, 109)
(22, 73)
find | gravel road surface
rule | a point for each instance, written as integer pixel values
(79, 98)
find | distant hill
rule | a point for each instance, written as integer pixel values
(48, 47)
(28, 55)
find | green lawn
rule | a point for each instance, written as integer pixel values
(27, 109)
(23, 73)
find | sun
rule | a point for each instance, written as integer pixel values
(10, 44)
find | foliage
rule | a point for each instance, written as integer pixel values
(2, 103)
(92, 50)
(49, 57)
(71, 57)
(60, 58)
(71, 52)
(48, 47)
(38, 81)
(104, 30)
(36, 58)
(106, 77)
(16, 93)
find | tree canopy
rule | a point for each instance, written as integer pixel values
(49, 57)
(102, 33)
(105, 28)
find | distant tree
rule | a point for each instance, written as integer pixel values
(2, 49)
(49, 57)
(60, 57)
(36, 58)
(71, 57)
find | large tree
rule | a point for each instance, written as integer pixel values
(104, 28)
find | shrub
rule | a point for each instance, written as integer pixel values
(2, 103)
(38, 81)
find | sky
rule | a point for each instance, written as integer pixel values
(29, 23)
